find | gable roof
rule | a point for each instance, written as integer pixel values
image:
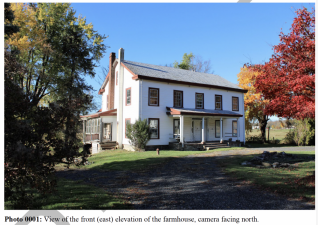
(180, 76)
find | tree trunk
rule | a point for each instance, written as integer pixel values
(262, 126)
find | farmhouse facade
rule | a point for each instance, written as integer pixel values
(181, 106)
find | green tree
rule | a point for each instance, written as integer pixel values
(56, 51)
(194, 63)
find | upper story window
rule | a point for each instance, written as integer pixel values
(117, 78)
(153, 97)
(199, 100)
(178, 99)
(235, 104)
(128, 96)
(218, 102)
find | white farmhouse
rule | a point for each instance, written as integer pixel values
(182, 107)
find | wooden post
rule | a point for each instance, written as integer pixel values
(100, 130)
(84, 132)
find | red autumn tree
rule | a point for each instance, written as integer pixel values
(288, 79)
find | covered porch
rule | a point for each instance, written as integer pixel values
(98, 130)
(201, 127)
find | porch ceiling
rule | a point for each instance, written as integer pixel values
(201, 112)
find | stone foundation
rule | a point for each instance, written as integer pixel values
(187, 147)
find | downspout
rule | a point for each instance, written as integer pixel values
(243, 122)
(120, 96)
(140, 100)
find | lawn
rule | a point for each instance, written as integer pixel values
(296, 182)
(79, 195)
(76, 195)
(125, 160)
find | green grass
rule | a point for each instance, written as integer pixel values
(297, 182)
(76, 195)
(125, 160)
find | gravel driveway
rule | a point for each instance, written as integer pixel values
(192, 182)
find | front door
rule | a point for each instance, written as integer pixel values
(197, 130)
(107, 131)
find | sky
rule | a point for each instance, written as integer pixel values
(227, 34)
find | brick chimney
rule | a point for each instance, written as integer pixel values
(111, 89)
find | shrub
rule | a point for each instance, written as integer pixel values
(254, 139)
(138, 133)
(303, 134)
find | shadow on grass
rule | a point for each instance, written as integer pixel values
(77, 195)
(288, 181)
(186, 183)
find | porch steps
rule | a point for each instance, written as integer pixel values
(108, 145)
(215, 145)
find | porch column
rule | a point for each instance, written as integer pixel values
(84, 132)
(238, 128)
(203, 131)
(221, 130)
(100, 130)
(181, 130)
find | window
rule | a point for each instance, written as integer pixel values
(199, 100)
(117, 78)
(218, 102)
(153, 97)
(235, 104)
(127, 121)
(234, 128)
(178, 99)
(217, 128)
(176, 128)
(128, 96)
(92, 126)
(154, 128)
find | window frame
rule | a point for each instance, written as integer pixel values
(149, 96)
(233, 97)
(127, 119)
(196, 106)
(174, 133)
(221, 102)
(127, 96)
(234, 121)
(149, 119)
(174, 103)
(92, 126)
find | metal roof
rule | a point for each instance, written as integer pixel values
(201, 112)
(170, 73)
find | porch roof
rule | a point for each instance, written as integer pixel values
(201, 112)
(112, 112)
